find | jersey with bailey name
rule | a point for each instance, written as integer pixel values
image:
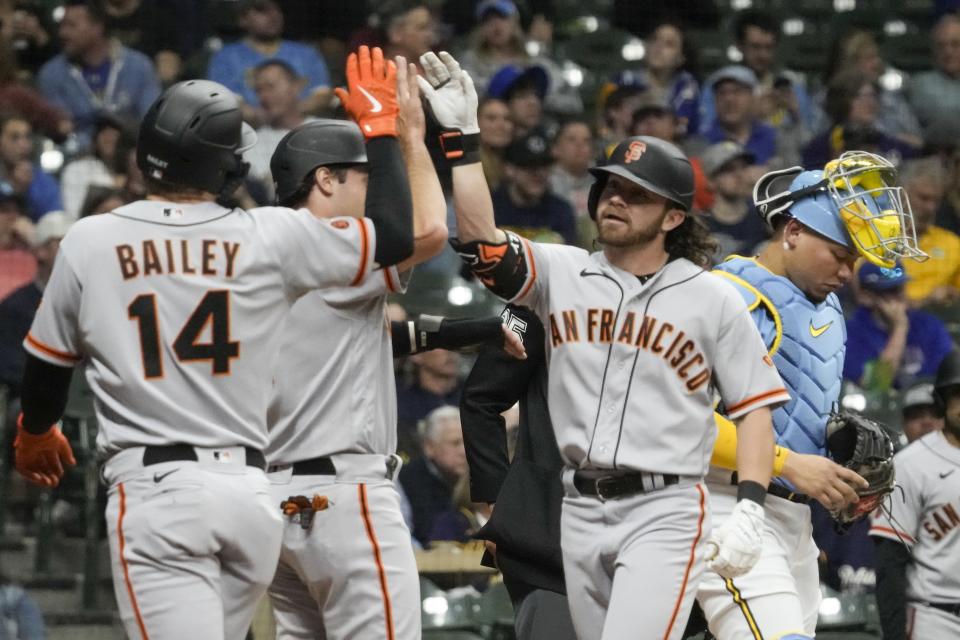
(924, 514)
(634, 366)
(176, 311)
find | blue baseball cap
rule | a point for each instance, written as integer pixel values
(736, 73)
(505, 8)
(509, 76)
(877, 278)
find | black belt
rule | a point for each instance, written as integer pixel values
(619, 486)
(176, 452)
(949, 607)
(322, 466)
(779, 491)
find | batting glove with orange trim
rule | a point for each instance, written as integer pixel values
(371, 94)
(41, 458)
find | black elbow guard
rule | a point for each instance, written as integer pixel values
(501, 267)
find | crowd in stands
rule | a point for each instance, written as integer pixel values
(76, 76)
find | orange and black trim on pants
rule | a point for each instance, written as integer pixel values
(368, 525)
(122, 543)
(741, 602)
(686, 573)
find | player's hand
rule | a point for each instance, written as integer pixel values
(832, 485)
(41, 458)
(371, 94)
(735, 547)
(450, 92)
(411, 124)
(513, 345)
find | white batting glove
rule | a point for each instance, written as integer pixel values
(450, 92)
(735, 546)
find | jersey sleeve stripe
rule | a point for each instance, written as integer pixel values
(364, 252)
(887, 532)
(768, 397)
(527, 249)
(391, 287)
(60, 356)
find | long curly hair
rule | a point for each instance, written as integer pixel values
(692, 240)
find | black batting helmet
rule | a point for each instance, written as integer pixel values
(194, 136)
(652, 163)
(314, 144)
(948, 375)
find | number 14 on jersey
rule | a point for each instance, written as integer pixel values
(213, 310)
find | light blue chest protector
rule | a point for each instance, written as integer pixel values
(807, 343)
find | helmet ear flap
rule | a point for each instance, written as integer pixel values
(593, 197)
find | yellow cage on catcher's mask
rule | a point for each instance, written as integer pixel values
(875, 211)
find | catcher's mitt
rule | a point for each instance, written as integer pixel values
(863, 446)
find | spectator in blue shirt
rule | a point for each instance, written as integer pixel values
(888, 343)
(524, 203)
(39, 190)
(262, 24)
(782, 98)
(95, 73)
(734, 87)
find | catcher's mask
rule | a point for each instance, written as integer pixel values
(853, 201)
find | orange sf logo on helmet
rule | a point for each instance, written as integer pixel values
(634, 151)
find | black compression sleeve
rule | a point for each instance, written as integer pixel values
(891, 560)
(43, 396)
(433, 332)
(389, 205)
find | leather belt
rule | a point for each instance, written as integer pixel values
(322, 466)
(779, 491)
(153, 454)
(949, 607)
(621, 486)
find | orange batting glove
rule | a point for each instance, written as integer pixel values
(371, 94)
(40, 458)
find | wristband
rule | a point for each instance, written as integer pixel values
(459, 148)
(750, 490)
(779, 459)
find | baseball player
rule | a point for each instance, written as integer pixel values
(172, 304)
(346, 567)
(823, 221)
(634, 362)
(918, 538)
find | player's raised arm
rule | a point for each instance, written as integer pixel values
(429, 205)
(370, 99)
(453, 101)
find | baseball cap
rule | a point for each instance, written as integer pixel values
(505, 8)
(51, 226)
(735, 72)
(718, 155)
(877, 278)
(918, 395)
(530, 151)
(508, 77)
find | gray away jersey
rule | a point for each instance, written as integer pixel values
(926, 516)
(176, 310)
(334, 388)
(633, 368)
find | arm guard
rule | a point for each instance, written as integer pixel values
(433, 332)
(501, 267)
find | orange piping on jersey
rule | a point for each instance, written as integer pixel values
(893, 532)
(365, 514)
(533, 270)
(757, 398)
(50, 351)
(126, 568)
(386, 276)
(911, 614)
(686, 573)
(364, 249)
